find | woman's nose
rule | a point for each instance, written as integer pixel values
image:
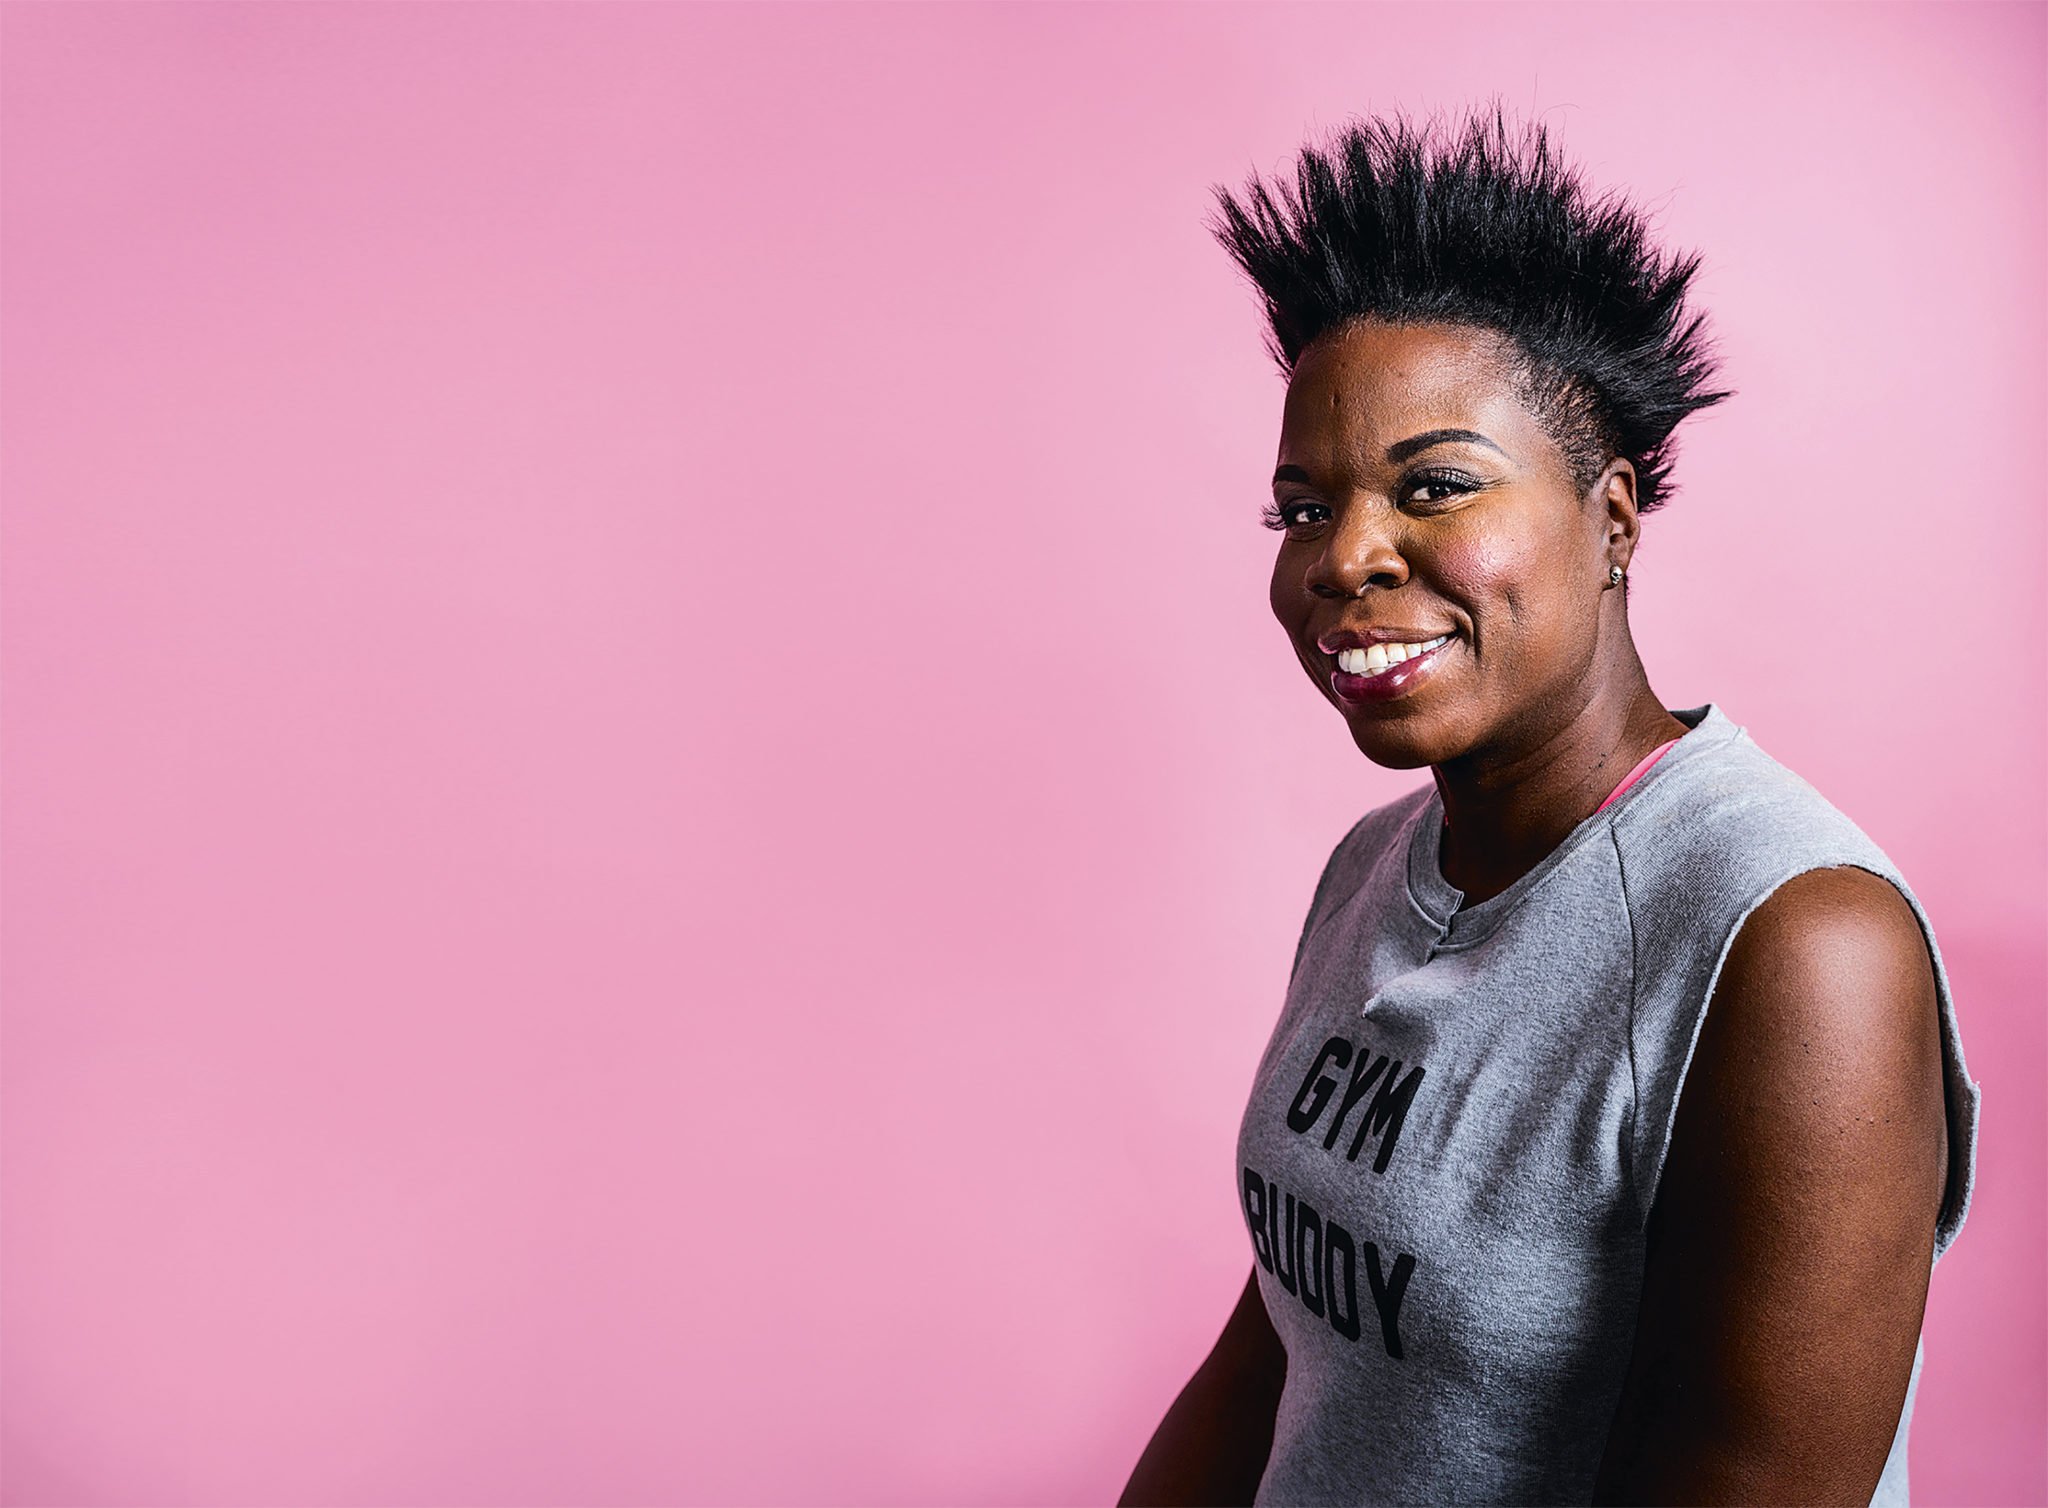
(1358, 551)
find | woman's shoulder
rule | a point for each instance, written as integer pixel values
(1384, 825)
(1746, 886)
(1380, 836)
(1732, 821)
(1373, 848)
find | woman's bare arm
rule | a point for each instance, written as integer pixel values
(1211, 1447)
(1793, 1230)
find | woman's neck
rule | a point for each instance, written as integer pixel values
(1504, 812)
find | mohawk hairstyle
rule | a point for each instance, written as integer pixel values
(1492, 232)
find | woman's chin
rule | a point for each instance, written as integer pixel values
(1393, 748)
(1397, 743)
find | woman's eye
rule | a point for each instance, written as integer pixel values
(1288, 515)
(1448, 483)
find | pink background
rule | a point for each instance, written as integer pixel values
(653, 818)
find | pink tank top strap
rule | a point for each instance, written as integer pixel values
(1641, 769)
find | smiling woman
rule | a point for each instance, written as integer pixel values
(1616, 1114)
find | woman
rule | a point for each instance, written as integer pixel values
(1616, 1114)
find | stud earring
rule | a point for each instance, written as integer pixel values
(1614, 575)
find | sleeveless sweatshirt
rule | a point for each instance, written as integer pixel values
(1457, 1128)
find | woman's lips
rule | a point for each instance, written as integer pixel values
(1395, 680)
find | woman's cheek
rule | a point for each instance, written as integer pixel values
(1482, 571)
(1284, 591)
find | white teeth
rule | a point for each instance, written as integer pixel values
(1378, 657)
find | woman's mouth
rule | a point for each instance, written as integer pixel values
(1386, 670)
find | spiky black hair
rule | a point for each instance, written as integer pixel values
(1487, 230)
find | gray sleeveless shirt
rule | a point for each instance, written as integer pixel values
(1455, 1133)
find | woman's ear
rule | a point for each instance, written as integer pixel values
(1615, 492)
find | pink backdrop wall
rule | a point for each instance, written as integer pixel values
(652, 815)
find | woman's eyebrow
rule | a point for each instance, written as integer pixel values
(1401, 450)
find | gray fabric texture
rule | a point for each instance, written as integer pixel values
(1455, 1133)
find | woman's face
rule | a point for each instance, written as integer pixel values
(1480, 536)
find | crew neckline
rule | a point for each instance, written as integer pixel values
(1443, 903)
